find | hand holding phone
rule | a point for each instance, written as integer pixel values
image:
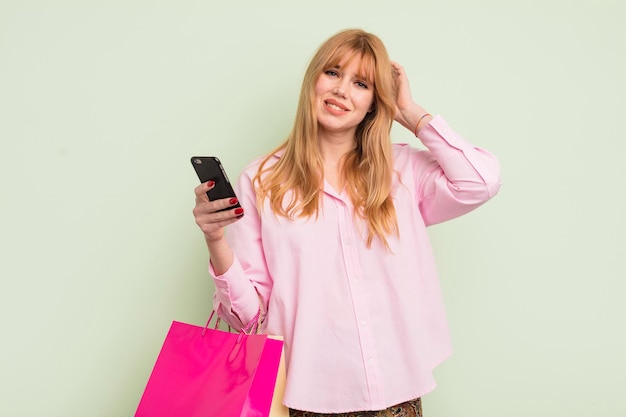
(209, 168)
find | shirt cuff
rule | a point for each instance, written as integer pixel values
(235, 290)
(439, 129)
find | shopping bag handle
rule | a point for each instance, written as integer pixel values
(251, 328)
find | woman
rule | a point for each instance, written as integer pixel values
(330, 242)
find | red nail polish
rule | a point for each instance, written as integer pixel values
(233, 200)
(239, 210)
(211, 183)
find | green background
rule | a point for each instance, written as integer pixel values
(103, 102)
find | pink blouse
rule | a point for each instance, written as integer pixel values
(363, 327)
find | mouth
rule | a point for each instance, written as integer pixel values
(331, 104)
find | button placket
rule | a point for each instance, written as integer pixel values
(360, 300)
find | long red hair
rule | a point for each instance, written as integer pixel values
(368, 169)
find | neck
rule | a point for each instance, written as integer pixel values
(333, 148)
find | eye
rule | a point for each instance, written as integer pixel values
(361, 84)
(332, 73)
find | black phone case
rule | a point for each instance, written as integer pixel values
(210, 168)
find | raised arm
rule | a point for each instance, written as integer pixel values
(454, 177)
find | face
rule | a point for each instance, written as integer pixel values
(343, 97)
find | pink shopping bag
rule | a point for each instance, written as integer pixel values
(203, 372)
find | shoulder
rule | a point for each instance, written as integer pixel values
(267, 161)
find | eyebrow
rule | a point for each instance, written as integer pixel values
(361, 76)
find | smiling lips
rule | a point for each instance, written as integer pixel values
(335, 106)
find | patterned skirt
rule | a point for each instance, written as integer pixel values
(411, 408)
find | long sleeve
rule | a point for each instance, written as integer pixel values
(247, 283)
(454, 177)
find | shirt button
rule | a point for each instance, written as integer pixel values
(355, 281)
(363, 323)
(370, 361)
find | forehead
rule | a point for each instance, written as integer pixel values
(363, 62)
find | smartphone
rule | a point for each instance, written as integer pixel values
(210, 168)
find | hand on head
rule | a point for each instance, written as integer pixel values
(404, 99)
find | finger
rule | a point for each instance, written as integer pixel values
(211, 222)
(202, 189)
(394, 70)
(211, 229)
(216, 218)
(204, 206)
(223, 204)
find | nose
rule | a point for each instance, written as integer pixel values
(341, 87)
(340, 91)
